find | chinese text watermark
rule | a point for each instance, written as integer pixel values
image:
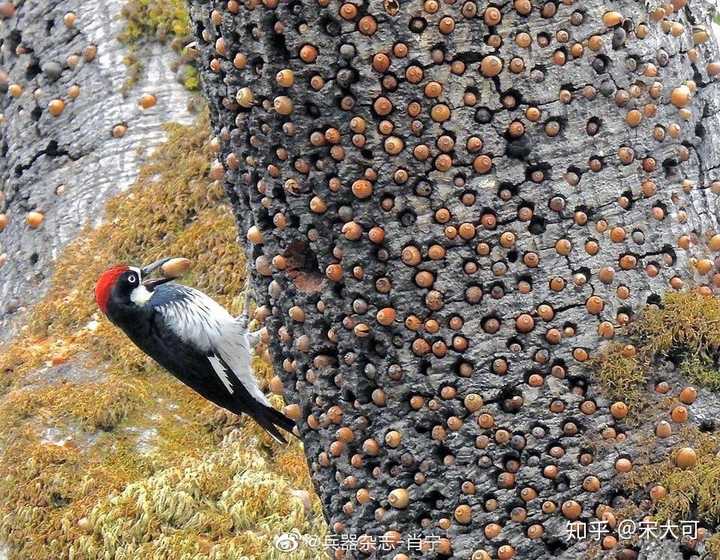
(629, 528)
(290, 542)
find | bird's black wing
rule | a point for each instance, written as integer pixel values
(198, 342)
(190, 365)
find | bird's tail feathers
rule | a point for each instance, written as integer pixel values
(270, 419)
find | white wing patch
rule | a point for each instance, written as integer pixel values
(199, 320)
(222, 373)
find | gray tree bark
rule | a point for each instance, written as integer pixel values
(450, 205)
(66, 167)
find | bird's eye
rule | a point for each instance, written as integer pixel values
(132, 279)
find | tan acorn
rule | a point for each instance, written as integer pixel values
(34, 219)
(571, 510)
(276, 386)
(85, 524)
(293, 411)
(119, 130)
(283, 105)
(285, 78)
(245, 97)
(56, 107)
(680, 96)
(688, 395)
(623, 465)
(619, 410)
(7, 9)
(176, 267)
(69, 19)
(399, 498)
(463, 514)
(612, 19)
(663, 429)
(686, 458)
(147, 101)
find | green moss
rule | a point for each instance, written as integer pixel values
(701, 370)
(712, 546)
(96, 406)
(154, 21)
(691, 492)
(686, 320)
(141, 457)
(226, 501)
(622, 376)
(686, 325)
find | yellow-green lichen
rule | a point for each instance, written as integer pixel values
(104, 454)
(163, 21)
(190, 78)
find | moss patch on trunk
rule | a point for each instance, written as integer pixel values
(684, 329)
(682, 333)
(164, 21)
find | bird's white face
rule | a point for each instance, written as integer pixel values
(140, 295)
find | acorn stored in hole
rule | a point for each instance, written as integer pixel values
(35, 219)
(399, 498)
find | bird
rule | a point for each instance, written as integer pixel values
(192, 336)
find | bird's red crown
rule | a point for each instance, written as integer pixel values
(105, 284)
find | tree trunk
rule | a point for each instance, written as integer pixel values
(449, 206)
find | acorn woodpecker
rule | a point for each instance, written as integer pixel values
(191, 336)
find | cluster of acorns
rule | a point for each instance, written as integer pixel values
(450, 204)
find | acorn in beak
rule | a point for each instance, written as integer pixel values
(170, 268)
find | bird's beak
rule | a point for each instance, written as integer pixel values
(151, 283)
(152, 267)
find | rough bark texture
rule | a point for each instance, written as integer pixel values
(66, 167)
(395, 296)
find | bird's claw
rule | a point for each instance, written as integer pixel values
(244, 317)
(253, 338)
